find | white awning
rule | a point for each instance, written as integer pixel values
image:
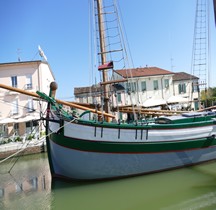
(7, 120)
(20, 119)
(26, 119)
(154, 102)
(177, 99)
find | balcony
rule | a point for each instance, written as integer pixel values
(9, 92)
(2, 93)
(28, 86)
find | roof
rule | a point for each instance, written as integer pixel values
(26, 63)
(136, 72)
(89, 89)
(142, 72)
(183, 76)
(22, 62)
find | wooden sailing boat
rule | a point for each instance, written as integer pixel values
(92, 150)
(98, 149)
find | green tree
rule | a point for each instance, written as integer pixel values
(208, 96)
(213, 91)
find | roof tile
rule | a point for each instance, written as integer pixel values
(183, 76)
(142, 72)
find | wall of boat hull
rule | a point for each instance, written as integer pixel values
(84, 165)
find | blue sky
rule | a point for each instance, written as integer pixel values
(157, 31)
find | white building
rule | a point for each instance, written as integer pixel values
(146, 87)
(186, 86)
(143, 84)
(18, 110)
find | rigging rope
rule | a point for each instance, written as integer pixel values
(25, 146)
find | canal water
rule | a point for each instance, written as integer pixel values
(25, 183)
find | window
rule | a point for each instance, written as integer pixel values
(16, 128)
(155, 84)
(29, 127)
(30, 105)
(131, 86)
(81, 99)
(195, 87)
(3, 130)
(143, 85)
(182, 88)
(14, 81)
(119, 97)
(15, 107)
(128, 87)
(166, 83)
(28, 82)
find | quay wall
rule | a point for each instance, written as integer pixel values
(7, 150)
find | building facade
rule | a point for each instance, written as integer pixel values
(146, 87)
(186, 86)
(19, 112)
(143, 84)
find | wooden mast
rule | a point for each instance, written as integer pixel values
(102, 53)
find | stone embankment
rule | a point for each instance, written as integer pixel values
(29, 147)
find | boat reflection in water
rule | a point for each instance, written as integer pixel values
(29, 186)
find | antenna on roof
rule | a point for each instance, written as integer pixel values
(41, 53)
(18, 53)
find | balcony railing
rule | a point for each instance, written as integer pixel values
(28, 87)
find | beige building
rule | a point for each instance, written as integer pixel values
(19, 112)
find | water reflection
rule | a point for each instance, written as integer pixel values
(190, 188)
(29, 186)
(28, 178)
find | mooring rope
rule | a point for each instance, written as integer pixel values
(36, 143)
